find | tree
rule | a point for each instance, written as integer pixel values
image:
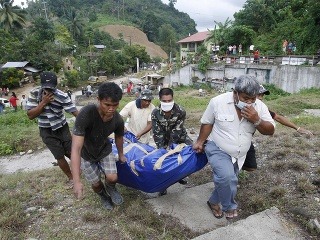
(75, 24)
(11, 77)
(168, 39)
(217, 36)
(172, 3)
(11, 16)
(42, 29)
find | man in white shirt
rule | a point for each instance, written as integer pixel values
(139, 114)
(227, 126)
(23, 102)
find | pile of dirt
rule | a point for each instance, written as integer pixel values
(133, 35)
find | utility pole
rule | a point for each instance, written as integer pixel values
(45, 9)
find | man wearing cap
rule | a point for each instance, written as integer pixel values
(139, 114)
(250, 163)
(47, 104)
(227, 126)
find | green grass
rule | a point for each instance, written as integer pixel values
(108, 20)
(57, 215)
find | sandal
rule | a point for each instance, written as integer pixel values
(232, 213)
(216, 210)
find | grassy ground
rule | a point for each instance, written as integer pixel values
(37, 205)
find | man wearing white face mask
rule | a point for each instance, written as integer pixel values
(168, 124)
(227, 126)
(168, 121)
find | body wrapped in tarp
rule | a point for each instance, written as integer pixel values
(154, 170)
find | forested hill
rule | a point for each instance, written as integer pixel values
(147, 15)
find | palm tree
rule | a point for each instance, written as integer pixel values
(76, 24)
(218, 34)
(11, 16)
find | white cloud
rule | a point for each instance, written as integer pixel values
(205, 12)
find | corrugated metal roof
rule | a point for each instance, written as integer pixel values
(15, 64)
(197, 37)
(32, 69)
(99, 46)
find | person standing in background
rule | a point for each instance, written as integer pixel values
(23, 102)
(13, 101)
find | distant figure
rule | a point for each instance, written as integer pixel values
(284, 47)
(240, 49)
(69, 92)
(23, 102)
(256, 56)
(13, 101)
(130, 87)
(251, 48)
(89, 90)
(2, 106)
(234, 50)
(121, 86)
(290, 45)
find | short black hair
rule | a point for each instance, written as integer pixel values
(110, 90)
(165, 91)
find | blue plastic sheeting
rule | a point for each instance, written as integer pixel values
(154, 170)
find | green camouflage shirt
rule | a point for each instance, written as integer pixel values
(169, 130)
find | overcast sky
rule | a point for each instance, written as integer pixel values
(205, 12)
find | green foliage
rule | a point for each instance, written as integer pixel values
(11, 16)
(72, 78)
(273, 21)
(204, 62)
(11, 77)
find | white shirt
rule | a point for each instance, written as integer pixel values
(138, 119)
(24, 103)
(251, 47)
(229, 133)
(89, 89)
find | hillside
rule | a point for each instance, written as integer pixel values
(134, 36)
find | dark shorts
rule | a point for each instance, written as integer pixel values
(251, 161)
(58, 141)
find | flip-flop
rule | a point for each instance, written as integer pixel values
(215, 210)
(232, 213)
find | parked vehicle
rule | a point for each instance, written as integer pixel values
(6, 102)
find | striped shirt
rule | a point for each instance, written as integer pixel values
(52, 115)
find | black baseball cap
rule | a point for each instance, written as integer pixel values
(48, 80)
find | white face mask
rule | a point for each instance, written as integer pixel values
(166, 106)
(241, 104)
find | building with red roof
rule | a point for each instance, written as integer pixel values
(190, 44)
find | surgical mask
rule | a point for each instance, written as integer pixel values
(241, 104)
(166, 106)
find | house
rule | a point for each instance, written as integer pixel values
(190, 44)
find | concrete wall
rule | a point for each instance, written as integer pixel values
(288, 78)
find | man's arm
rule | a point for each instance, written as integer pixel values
(77, 144)
(264, 127)
(205, 131)
(119, 144)
(75, 113)
(286, 122)
(35, 112)
(158, 132)
(145, 130)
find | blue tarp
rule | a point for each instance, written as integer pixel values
(154, 170)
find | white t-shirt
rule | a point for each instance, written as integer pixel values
(230, 133)
(138, 119)
(24, 103)
(89, 88)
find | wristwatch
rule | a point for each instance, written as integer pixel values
(257, 123)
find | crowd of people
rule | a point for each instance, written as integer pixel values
(227, 128)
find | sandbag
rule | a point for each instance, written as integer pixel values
(154, 170)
